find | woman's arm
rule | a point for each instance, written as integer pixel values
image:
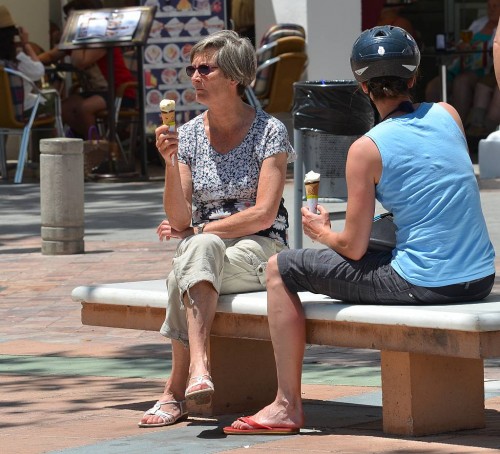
(262, 215)
(453, 112)
(496, 53)
(363, 170)
(25, 44)
(177, 193)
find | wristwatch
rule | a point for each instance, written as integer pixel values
(200, 227)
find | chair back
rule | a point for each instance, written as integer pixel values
(8, 119)
(288, 69)
(285, 44)
(280, 30)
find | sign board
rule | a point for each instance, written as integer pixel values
(177, 25)
(111, 27)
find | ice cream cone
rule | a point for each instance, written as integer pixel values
(167, 109)
(168, 118)
(311, 183)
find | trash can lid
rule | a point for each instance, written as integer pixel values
(324, 83)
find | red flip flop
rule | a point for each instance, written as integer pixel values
(259, 429)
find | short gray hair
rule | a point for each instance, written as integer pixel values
(234, 55)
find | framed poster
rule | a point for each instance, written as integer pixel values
(177, 25)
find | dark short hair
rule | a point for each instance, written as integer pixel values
(7, 44)
(82, 4)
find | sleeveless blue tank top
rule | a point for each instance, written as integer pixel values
(428, 183)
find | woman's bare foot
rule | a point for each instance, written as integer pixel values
(278, 414)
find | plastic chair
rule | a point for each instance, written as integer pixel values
(10, 124)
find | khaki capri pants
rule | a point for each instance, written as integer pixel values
(231, 265)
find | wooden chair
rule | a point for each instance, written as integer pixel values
(10, 124)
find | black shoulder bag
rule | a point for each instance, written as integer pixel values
(383, 234)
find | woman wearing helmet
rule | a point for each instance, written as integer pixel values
(415, 162)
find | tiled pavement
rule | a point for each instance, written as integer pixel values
(77, 389)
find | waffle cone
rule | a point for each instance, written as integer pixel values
(312, 189)
(168, 118)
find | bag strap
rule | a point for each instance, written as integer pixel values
(93, 134)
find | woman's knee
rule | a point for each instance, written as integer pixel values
(272, 271)
(208, 245)
(464, 81)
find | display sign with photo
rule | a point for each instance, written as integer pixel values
(111, 25)
(177, 25)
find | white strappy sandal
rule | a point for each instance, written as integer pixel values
(168, 418)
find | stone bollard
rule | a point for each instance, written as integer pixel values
(62, 196)
(489, 156)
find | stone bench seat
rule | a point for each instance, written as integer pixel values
(431, 356)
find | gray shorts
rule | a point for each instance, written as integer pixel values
(371, 280)
(230, 265)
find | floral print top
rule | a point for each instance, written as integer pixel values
(224, 184)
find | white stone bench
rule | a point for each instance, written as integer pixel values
(431, 356)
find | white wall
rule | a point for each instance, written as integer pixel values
(32, 15)
(331, 28)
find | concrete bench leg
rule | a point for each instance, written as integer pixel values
(244, 375)
(429, 394)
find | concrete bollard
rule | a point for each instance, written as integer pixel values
(489, 156)
(62, 196)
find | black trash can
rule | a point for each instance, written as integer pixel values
(328, 116)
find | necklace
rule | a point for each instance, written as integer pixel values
(405, 106)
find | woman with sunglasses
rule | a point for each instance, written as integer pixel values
(415, 162)
(224, 178)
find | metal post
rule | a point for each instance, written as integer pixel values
(444, 93)
(61, 196)
(298, 190)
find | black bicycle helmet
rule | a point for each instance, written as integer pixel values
(384, 51)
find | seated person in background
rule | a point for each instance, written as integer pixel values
(391, 15)
(416, 164)
(496, 53)
(79, 109)
(21, 58)
(465, 72)
(484, 116)
(229, 163)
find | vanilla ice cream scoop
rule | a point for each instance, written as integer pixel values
(167, 105)
(311, 177)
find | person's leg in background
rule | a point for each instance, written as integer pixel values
(79, 112)
(485, 113)
(492, 120)
(433, 90)
(462, 93)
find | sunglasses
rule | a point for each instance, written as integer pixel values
(203, 70)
